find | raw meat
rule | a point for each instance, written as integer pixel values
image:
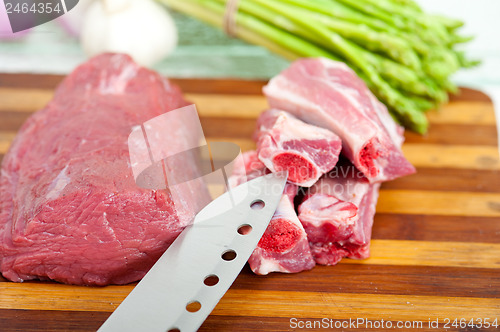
(287, 143)
(284, 246)
(337, 215)
(328, 94)
(70, 210)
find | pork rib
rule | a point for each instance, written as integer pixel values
(337, 215)
(284, 246)
(328, 94)
(287, 143)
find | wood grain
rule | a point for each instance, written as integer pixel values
(90, 321)
(12, 120)
(50, 321)
(6, 137)
(431, 253)
(436, 238)
(232, 323)
(33, 296)
(444, 134)
(439, 203)
(341, 306)
(442, 179)
(381, 279)
(425, 155)
(240, 127)
(248, 105)
(445, 179)
(477, 112)
(228, 86)
(453, 156)
(241, 302)
(428, 227)
(457, 134)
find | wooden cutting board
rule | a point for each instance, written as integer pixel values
(435, 248)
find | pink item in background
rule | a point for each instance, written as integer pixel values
(5, 28)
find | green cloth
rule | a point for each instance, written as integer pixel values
(203, 52)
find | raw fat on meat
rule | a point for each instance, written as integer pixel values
(70, 209)
(287, 143)
(328, 94)
(337, 215)
(284, 246)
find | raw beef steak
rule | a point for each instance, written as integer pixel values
(337, 215)
(70, 210)
(287, 143)
(284, 246)
(328, 94)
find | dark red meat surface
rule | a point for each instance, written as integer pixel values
(70, 209)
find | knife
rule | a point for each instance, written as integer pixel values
(190, 278)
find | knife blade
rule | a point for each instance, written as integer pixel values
(190, 278)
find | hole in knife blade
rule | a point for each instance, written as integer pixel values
(193, 306)
(258, 204)
(211, 280)
(244, 229)
(174, 330)
(228, 255)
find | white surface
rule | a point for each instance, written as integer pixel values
(482, 20)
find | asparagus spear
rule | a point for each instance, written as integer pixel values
(404, 107)
(404, 54)
(407, 3)
(375, 11)
(345, 13)
(449, 23)
(429, 30)
(392, 46)
(389, 70)
(414, 16)
(294, 46)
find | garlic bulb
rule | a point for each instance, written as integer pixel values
(141, 28)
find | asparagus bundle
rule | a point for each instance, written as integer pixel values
(405, 55)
